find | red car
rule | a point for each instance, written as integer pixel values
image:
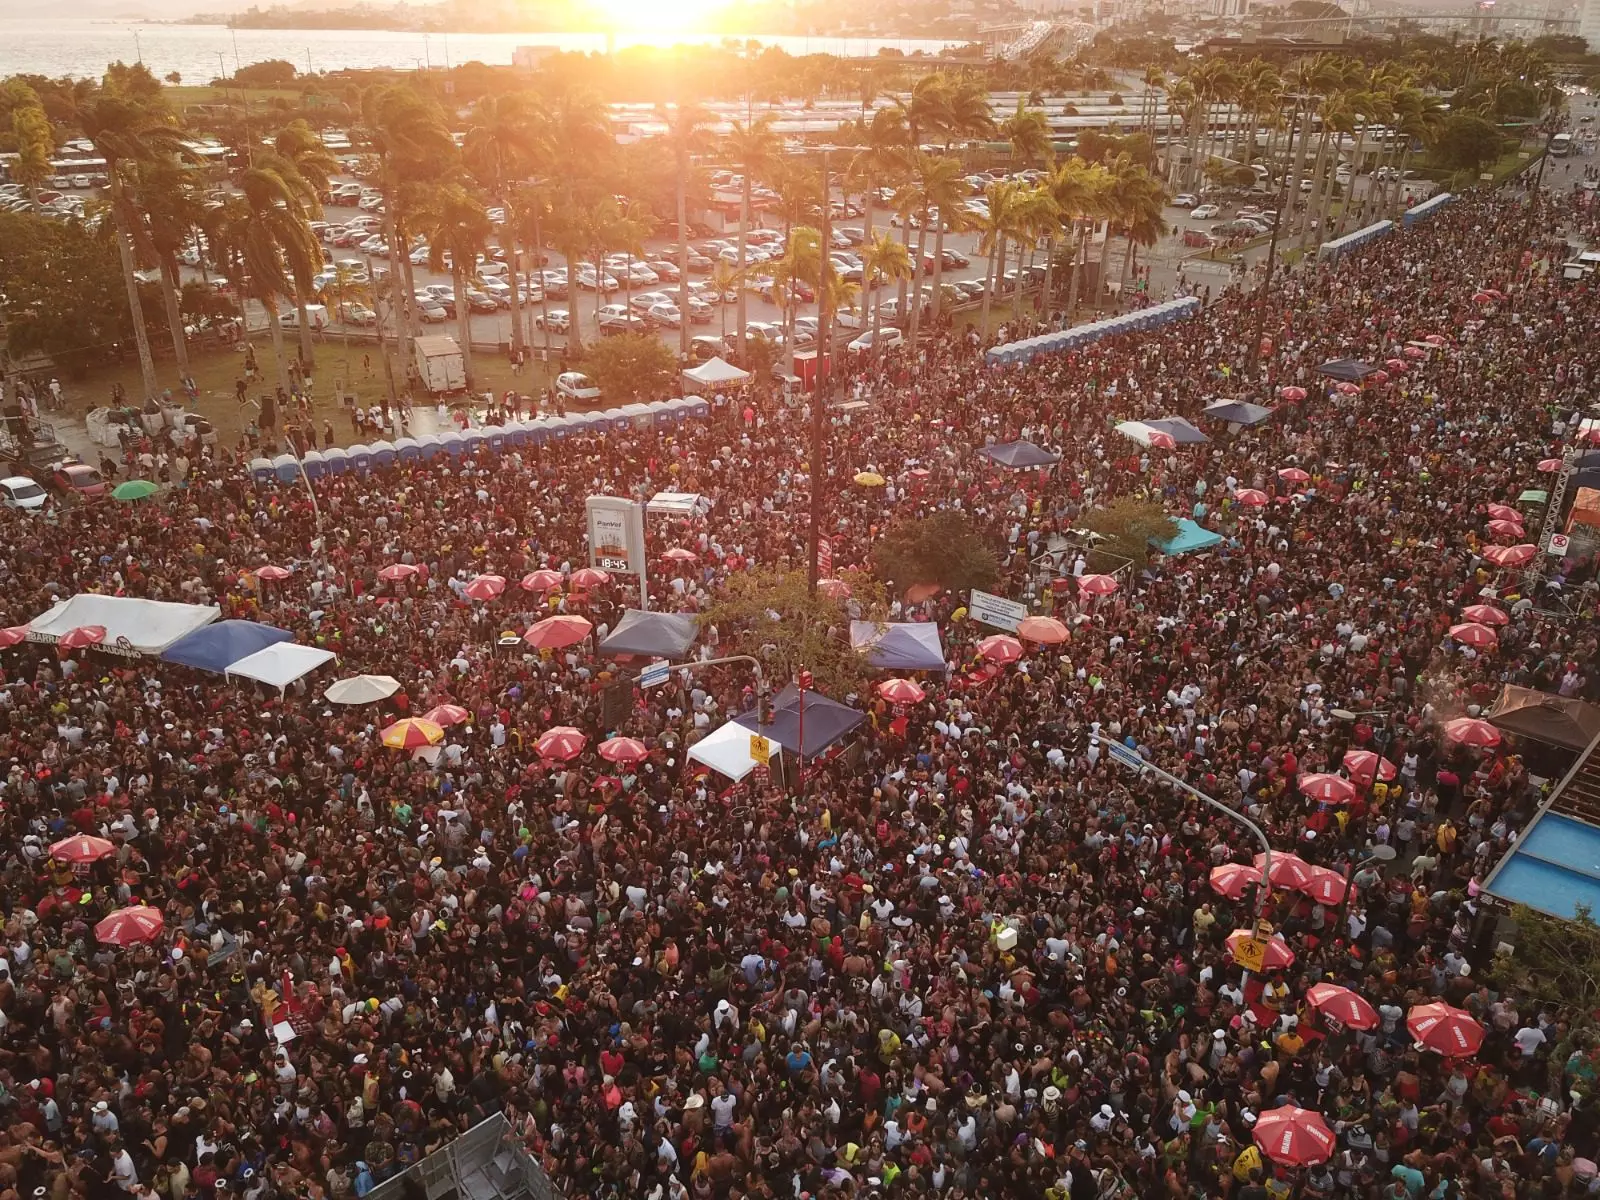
(78, 480)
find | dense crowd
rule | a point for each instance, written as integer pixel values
(971, 957)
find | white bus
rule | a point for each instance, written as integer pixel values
(1561, 145)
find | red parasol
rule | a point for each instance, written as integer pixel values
(1160, 439)
(1234, 879)
(1343, 1005)
(81, 848)
(918, 592)
(834, 589)
(1397, 365)
(1550, 465)
(1512, 556)
(1001, 648)
(130, 926)
(1414, 352)
(83, 635)
(542, 580)
(485, 587)
(1470, 633)
(624, 750)
(1288, 870)
(1486, 614)
(13, 635)
(1252, 497)
(395, 572)
(1097, 585)
(1450, 1031)
(1379, 377)
(1294, 475)
(411, 733)
(902, 691)
(1362, 763)
(679, 555)
(589, 577)
(1278, 956)
(1470, 731)
(1327, 789)
(1504, 512)
(1047, 631)
(1507, 529)
(273, 574)
(1326, 887)
(562, 744)
(447, 714)
(1484, 297)
(1347, 388)
(1291, 393)
(1295, 1137)
(553, 633)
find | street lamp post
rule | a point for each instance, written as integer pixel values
(1253, 350)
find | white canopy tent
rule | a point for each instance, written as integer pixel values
(677, 504)
(280, 664)
(727, 751)
(716, 372)
(133, 626)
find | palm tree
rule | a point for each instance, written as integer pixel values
(1338, 119)
(128, 134)
(312, 162)
(346, 288)
(1155, 81)
(936, 192)
(1029, 135)
(755, 147)
(687, 136)
(35, 141)
(170, 210)
(1141, 200)
(925, 111)
(457, 227)
(802, 262)
(879, 161)
(1007, 214)
(529, 204)
(503, 142)
(967, 115)
(724, 278)
(1073, 186)
(278, 251)
(883, 259)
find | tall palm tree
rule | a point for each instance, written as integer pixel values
(279, 252)
(170, 209)
(801, 262)
(344, 289)
(883, 260)
(129, 134)
(1073, 185)
(1007, 202)
(1141, 201)
(967, 115)
(926, 111)
(530, 204)
(1338, 118)
(936, 190)
(503, 145)
(755, 147)
(687, 136)
(313, 162)
(1029, 134)
(457, 226)
(879, 161)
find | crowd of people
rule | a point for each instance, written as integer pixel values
(970, 957)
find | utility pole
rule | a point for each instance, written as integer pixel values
(1253, 350)
(819, 396)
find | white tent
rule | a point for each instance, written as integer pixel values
(362, 689)
(677, 504)
(133, 627)
(280, 664)
(716, 373)
(727, 751)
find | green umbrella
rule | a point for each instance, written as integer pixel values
(1534, 496)
(134, 489)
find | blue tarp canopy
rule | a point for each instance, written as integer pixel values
(1350, 370)
(1179, 430)
(1190, 537)
(1236, 412)
(1552, 867)
(216, 646)
(899, 645)
(826, 721)
(658, 634)
(1020, 455)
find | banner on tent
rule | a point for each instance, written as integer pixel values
(989, 609)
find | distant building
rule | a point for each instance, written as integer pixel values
(1229, 8)
(1589, 24)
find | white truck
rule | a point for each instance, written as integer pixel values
(438, 364)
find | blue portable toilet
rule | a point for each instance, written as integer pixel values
(338, 459)
(406, 449)
(315, 465)
(383, 454)
(286, 468)
(261, 470)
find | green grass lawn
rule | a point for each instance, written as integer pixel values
(184, 95)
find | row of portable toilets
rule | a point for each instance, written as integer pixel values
(337, 460)
(1140, 319)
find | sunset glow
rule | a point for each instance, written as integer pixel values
(659, 16)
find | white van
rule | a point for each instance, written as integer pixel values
(1581, 267)
(316, 318)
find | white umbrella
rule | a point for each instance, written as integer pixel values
(362, 689)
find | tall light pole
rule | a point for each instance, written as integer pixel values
(1262, 299)
(819, 398)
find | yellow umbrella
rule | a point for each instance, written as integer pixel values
(870, 479)
(411, 733)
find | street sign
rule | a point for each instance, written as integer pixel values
(1560, 543)
(1251, 954)
(760, 749)
(989, 609)
(655, 674)
(1124, 755)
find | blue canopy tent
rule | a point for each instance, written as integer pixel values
(338, 459)
(1179, 430)
(1020, 455)
(826, 721)
(214, 647)
(654, 634)
(1348, 370)
(1189, 538)
(261, 470)
(383, 454)
(898, 645)
(1236, 412)
(406, 449)
(315, 464)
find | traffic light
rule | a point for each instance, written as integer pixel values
(616, 704)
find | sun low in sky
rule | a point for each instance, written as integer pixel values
(658, 16)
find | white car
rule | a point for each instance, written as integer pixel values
(557, 320)
(354, 313)
(590, 280)
(1206, 212)
(18, 491)
(575, 385)
(636, 272)
(1185, 200)
(665, 314)
(429, 309)
(887, 339)
(500, 291)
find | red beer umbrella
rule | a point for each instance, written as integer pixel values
(1278, 956)
(1047, 631)
(553, 633)
(130, 926)
(1446, 1029)
(902, 691)
(1097, 585)
(834, 589)
(1343, 1005)
(624, 750)
(1288, 870)
(1291, 393)
(1347, 388)
(1326, 887)
(1000, 648)
(1295, 1137)
(1327, 789)
(1160, 439)
(485, 587)
(1470, 633)
(542, 580)
(1379, 377)
(562, 743)
(1507, 529)
(1414, 351)
(1362, 763)
(13, 635)
(447, 714)
(1511, 556)
(83, 635)
(1470, 731)
(1397, 365)
(1252, 497)
(1550, 465)
(1435, 339)
(1233, 879)
(273, 574)
(589, 577)
(395, 572)
(679, 555)
(81, 848)
(1294, 475)
(1504, 512)
(1486, 614)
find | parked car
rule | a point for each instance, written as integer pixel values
(704, 348)
(575, 385)
(18, 491)
(1186, 200)
(355, 313)
(590, 279)
(664, 315)
(1205, 212)
(481, 302)
(886, 339)
(557, 320)
(643, 302)
(78, 481)
(615, 318)
(429, 308)
(954, 258)
(665, 270)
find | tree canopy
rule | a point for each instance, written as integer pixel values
(1126, 527)
(54, 276)
(631, 366)
(944, 548)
